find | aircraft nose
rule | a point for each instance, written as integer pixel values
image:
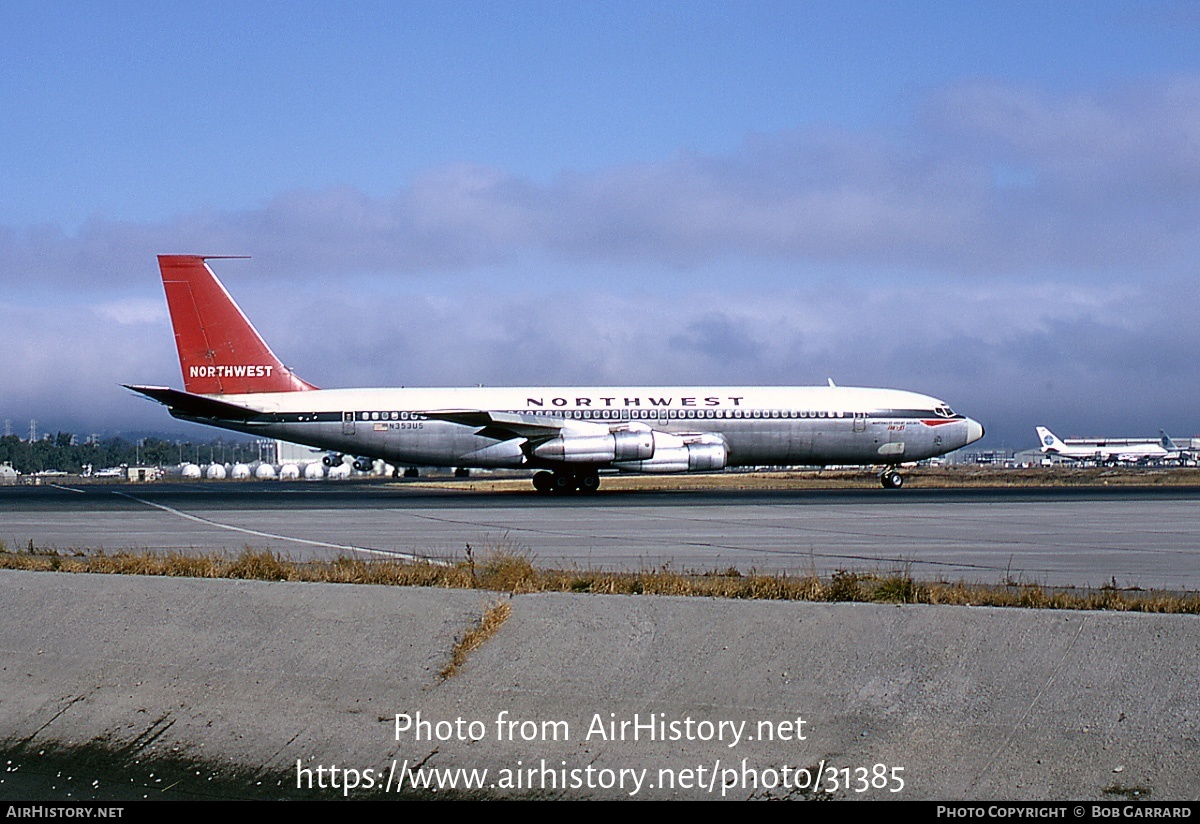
(974, 430)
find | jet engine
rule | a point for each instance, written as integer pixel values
(622, 445)
(682, 453)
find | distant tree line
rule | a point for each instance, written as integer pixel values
(63, 453)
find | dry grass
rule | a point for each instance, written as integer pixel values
(494, 616)
(508, 569)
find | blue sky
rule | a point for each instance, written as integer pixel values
(995, 203)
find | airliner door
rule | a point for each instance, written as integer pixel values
(347, 423)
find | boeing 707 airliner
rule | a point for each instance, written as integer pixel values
(567, 435)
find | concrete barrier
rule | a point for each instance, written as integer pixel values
(602, 696)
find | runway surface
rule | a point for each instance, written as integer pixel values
(1146, 537)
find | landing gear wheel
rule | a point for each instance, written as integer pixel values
(561, 483)
(588, 482)
(543, 482)
(891, 480)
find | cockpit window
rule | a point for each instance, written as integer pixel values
(944, 411)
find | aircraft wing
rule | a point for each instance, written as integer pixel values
(506, 425)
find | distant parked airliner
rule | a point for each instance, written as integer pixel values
(233, 380)
(1115, 450)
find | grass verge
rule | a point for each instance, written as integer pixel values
(512, 571)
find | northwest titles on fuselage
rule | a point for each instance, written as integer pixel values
(661, 401)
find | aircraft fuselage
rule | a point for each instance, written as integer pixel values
(759, 425)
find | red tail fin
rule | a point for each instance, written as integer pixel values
(220, 351)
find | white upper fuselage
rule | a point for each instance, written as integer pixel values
(611, 399)
(603, 404)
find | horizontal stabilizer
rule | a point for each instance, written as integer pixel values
(196, 406)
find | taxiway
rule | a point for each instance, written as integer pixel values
(1146, 537)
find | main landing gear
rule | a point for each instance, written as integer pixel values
(587, 481)
(891, 479)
